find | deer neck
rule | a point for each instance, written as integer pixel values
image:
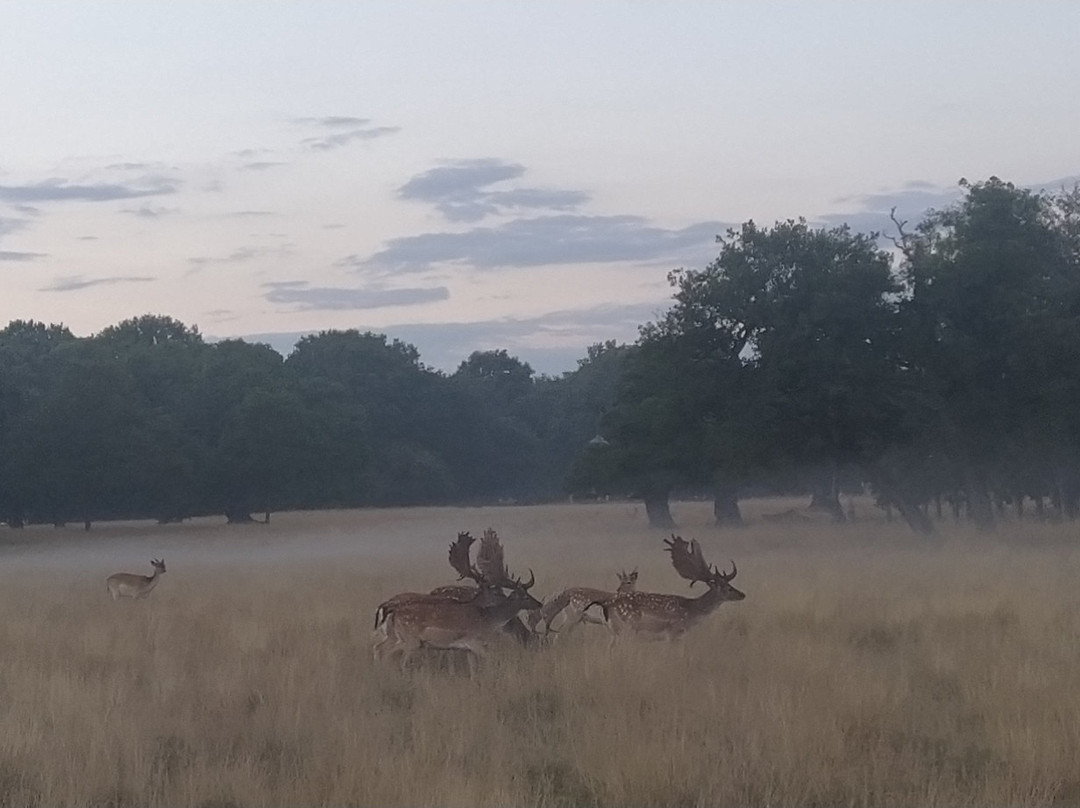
(705, 603)
(501, 612)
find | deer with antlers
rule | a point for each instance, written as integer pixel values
(461, 617)
(573, 604)
(657, 616)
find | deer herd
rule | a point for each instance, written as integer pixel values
(471, 617)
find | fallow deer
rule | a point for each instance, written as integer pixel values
(441, 623)
(489, 574)
(573, 605)
(131, 585)
(657, 616)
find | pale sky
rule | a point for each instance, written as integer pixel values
(478, 175)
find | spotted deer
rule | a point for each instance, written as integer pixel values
(131, 585)
(573, 604)
(439, 622)
(657, 616)
(490, 576)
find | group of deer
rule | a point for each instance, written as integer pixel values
(471, 617)
(457, 616)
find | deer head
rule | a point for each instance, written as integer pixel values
(688, 561)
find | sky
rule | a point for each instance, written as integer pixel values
(485, 175)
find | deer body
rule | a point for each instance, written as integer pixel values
(658, 616)
(131, 585)
(464, 617)
(446, 624)
(573, 604)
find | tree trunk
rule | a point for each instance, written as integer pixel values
(980, 509)
(881, 479)
(658, 509)
(825, 492)
(726, 505)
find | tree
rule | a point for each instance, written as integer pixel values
(992, 325)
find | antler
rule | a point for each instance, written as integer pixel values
(489, 559)
(687, 560)
(516, 582)
(459, 557)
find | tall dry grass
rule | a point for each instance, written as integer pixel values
(862, 669)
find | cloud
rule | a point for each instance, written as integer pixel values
(73, 283)
(261, 165)
(59, 190)
(150, 212)
(8, 226)
(871, 212)
(546, 241)
(14, 255)
(333, 121)
(460, 190)
(344, 129)
(241, 255)
(340, 139)
(303, 297)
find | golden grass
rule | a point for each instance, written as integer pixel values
(863, 669)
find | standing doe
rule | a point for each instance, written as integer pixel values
(131, 585)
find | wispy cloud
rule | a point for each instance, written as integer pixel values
(303, 297)
(14, 255)
(73, 283)
(340, 130)
(545, 241)
(334, 121)
(871, 212)
(340, 139)
(261, 165)
(8, 226)
(150, 212)
(461, 191)
(242, 255)
(60, 190)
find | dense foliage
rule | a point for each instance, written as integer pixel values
(946, 367)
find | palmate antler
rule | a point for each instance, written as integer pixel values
(490, 569)
(688, 561)
(459, 558)
(489, 558)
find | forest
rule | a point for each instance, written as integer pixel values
(936, 366)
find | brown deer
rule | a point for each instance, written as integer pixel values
(573, 605)
(657, 616)
(443, 623)
(490, 576)
(131, 585)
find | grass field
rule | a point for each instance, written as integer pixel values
(863, 668)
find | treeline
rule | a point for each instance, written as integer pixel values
(945, 369)
(147, 420)
(942, 371)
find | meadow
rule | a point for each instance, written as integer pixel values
(864, 668)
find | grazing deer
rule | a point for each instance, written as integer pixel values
(573, 605)
(657, 616)
(130, 585)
